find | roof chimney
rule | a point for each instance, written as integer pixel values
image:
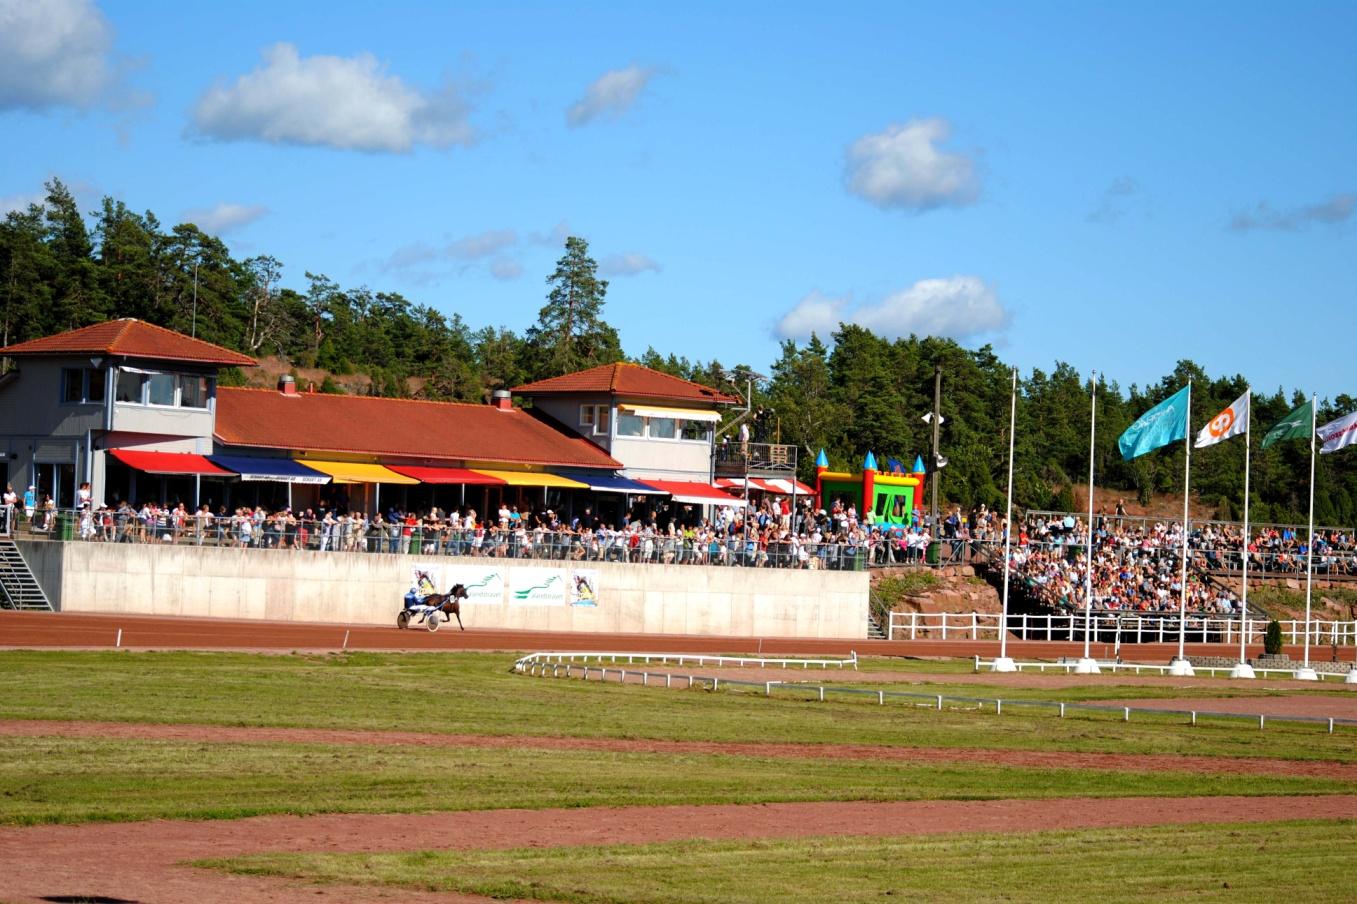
(287, 385)
(502, 399)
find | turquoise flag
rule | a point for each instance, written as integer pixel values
(1161, 425)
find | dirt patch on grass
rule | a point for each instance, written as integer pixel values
(143, 861)
(1046, 759)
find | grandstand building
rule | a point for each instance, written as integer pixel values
(136, 411)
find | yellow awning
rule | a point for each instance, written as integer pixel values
(533, 479)
(683, 414)
(357, 472)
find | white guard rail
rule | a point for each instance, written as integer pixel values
(1127, 627)
(582, 657)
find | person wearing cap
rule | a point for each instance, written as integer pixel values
(30, 501)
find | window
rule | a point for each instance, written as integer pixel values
(94, 389)
(129, 387)
(663, 428)
(601, 420)
(162, 389)
(72, 384)
(193, 391)
(586, 415)
(696, 430)
(630, 425)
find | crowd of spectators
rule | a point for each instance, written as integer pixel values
(770, 535)
(1135, 560)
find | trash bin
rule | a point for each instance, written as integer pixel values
(65, 525)
(934, 554)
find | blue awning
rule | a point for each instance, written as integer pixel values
(276, 470)
(607, 483)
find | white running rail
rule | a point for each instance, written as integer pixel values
(1130, 627)
(582, 657)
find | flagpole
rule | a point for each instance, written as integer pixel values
(1305, 672)
(1004, 663)
(1087, 665)
(1243, 669)
(1180, 666)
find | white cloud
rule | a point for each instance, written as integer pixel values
(1113, 204)
(350, 103)
(556, 236)
(903, 167)
(224, 217)
(482, 244)
(628, 265)
(506, 268)
(53, 53)
(816, 313)
(21, 201)
(1336, 209)
(610, 95)
(464, 251)
(958, 307)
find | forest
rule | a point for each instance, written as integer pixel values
(847, 393)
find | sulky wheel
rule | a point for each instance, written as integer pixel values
(434, 621)
(403, 619)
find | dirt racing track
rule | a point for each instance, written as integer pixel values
(141, 632)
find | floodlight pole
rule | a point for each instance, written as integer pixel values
(1004, 663)
(1087, 665)
(937, 428)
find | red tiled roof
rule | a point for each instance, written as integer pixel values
(626, 379)
(446, 431)
(130, 338)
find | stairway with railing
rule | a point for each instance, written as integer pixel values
(19, 589)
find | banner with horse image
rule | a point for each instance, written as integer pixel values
(426, 579)
(537, 587)
(584, 587)
(484, 586)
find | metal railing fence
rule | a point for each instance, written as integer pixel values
(362, 536)
(1123, 626)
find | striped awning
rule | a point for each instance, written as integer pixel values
(358, 472)
(682, 414)
(533, 479)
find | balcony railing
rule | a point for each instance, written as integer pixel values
(736, 459)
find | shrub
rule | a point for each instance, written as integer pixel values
(1272, 639)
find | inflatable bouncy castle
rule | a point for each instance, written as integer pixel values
(892, 496)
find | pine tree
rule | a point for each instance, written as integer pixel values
(570, 333)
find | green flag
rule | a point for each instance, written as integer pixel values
(1295, 425)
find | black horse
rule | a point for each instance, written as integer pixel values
(448, 603)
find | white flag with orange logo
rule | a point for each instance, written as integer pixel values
(1230, 422)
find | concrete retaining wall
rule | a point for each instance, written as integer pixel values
(288, 585)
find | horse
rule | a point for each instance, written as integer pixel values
(447, 603)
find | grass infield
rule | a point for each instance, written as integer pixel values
(475, 693)
(1308, 861)
(44, 780)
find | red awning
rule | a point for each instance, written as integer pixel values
(694, 493)
(168, 463)
(447, 475)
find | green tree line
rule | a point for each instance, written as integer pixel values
(857, 392)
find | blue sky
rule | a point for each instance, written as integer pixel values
(1116, 186)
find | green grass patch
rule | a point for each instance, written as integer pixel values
(475, 693)
(47, 779)
(1307, 861)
